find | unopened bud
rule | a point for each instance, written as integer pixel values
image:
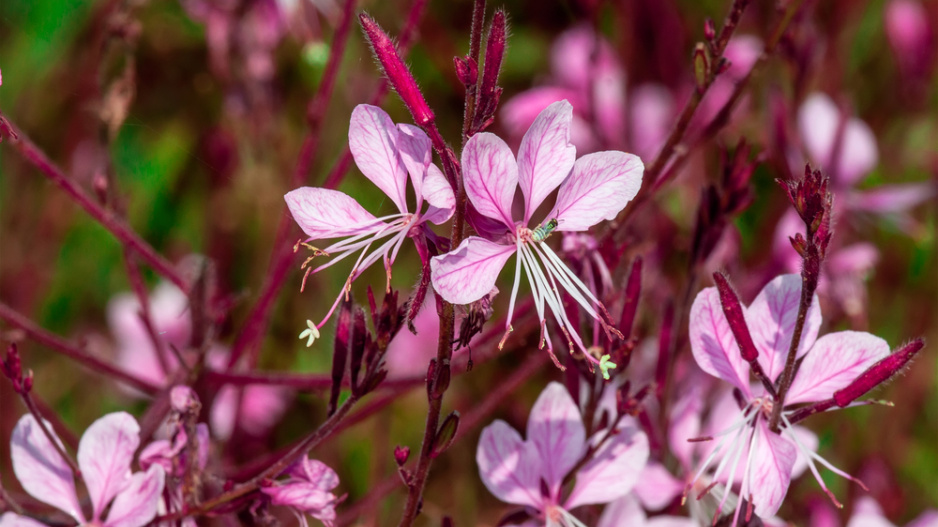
(401, 455)
(733, 311)
(184, 400)
(446, 434)
(710, 30)
(878, 373)
(467, 70)
(398, 74)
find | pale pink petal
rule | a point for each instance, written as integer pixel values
(415, 150)
(823, 514)
(890, 199)
(742, 51)
(868, 513)
(772, 317)
(10, 519)
(409, 354)
(261, 408)
(439, 194)
(572, 57)
(222, 416)
(600, 186)
(818, 122)
(907, 27)
(324, 213)
(651, 108)
(770, 473)
(169, 308)
(137, 503)
(508, 466)
(519, 112)
(556, 430)
(545, 156)
(614, 469)
(490, 175)
(834, 362)
(41, 470)
(624, 512)
(712, 341)
(671, 521)
(302, 496)
(786, 228)
(658, 487)
(928, 518)
(856, 259)
(105, 453)
(608, 102)
(316, 473)
(373, 139)
(469, 272)
(685, 420)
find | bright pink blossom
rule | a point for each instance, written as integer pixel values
(531, 472)
(105, 453)
(591, 189)
(307, 491)
(828, 364)
(385, 153)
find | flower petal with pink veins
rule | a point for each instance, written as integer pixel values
(373, 141)
(771, 318)
(712, 341)
(10, 519)
(613, 470)
(105, 453)
(555, 427)
(770, 472)
(490, 175)
(546, 155)
(41, 470)
(508, 466)
(600, 186)
(469, 272)
(818, 122)
(414, 147)
(439, 194)
(834, 362)
(323, 213)
(137, 503)
(519, 112)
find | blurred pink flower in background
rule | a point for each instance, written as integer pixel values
(531, 472)
(595, 85)
(105, 454)
(307, 491)
(866, 513)
(911, 36)
(829, 363)
(627, 512)
(260, 405)
(742, 51)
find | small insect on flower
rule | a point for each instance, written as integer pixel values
(542, 232)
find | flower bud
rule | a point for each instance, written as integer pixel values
(733, 311)
(398, 74)
(710, 30)
(446, 434)
(467, 70)
(401, 455)
(878, 373)
(701, 67)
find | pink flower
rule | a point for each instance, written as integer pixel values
(385, 153)
(531, 472)
(828, 364)
(105, 453)
(867, 513)
(819, 120)
(307, 491)
(591, 189)
(910, 35)
(261, 406)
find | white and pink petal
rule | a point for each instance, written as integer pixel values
(41, 470)
(773, 458)
(137, 503)
(105, 453)
(508, 465)
(599, 186)
(490, 176)
(834, 362)
(324, 213)
(771, 318)
(468, 273)
(555, 427)
(373, 141)
(614, 469)
(546, 156)
(712, 342)
(439, 194)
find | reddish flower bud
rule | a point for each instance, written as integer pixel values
(710, 30)
(340, 354)
(398, 74)
(878, 373)
(467, 70)
(733, 311)
(401, 455)
(633, 289)
(357, 348)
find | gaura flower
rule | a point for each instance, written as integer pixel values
(829, 363)
(591, 189)
(105, 453)
(531, 472)
(385, 153)
(307, 491)
(627, 512)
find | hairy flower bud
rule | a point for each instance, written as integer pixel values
(878, 373)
